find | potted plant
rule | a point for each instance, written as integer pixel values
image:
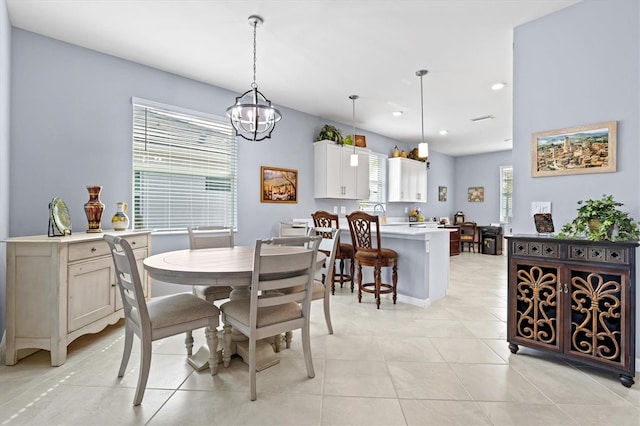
(597, 219)
(330, 133)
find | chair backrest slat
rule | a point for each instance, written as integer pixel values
(201, 237)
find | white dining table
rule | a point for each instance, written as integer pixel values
(224, 266)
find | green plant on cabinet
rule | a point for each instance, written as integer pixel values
(330, 133)
(597, 220)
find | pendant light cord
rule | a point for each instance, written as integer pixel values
(254, 85)
(422, 106)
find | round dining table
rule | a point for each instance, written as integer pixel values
(223, 266)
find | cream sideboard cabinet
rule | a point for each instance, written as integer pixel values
(334, 177)
(407, 180)
(60, 288)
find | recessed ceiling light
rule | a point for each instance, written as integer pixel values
(498, 86)
(396, 113)
(443, 132)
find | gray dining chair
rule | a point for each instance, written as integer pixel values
(158, 318)
(321, 289)
(270, 311)
(201, 237)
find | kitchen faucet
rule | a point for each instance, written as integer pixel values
(384, 216)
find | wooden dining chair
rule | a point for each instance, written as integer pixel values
(271, 311)
(345, 251)
(365, 236)
(158, 318)
(468, 232)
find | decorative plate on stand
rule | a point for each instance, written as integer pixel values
(59, 218)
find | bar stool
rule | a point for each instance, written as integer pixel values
(369, 252)
(323, 219)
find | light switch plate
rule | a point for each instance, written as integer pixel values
(540, 207)
(335, 209)
(343, 209)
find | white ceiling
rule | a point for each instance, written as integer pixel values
(313, 54)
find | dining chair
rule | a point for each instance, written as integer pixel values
(270, 311)
(290, 229)
(321, 287)
(158, 318)
(468, 232)
(201, 237)
(365, 236)
(345, 251)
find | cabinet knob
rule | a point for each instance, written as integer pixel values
(133, 243)
(93, 249)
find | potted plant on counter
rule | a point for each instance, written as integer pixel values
(330, 133)
(598, 219)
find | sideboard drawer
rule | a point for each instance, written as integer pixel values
(137, 241)
(87, 250)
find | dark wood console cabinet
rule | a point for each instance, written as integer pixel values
(575, 298)
(454, 240)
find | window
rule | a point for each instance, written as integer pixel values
(506, 194)
(184, 168)
(377, 181)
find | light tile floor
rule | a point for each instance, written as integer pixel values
(401, 365)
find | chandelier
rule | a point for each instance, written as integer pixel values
(252, 116)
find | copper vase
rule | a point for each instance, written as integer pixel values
(94, 208)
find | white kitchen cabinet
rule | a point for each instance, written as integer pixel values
(407, 180)
(334, 177)
(60, 288)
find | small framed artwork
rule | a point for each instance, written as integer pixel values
(475, 194)
(278, 185)
(442, 193)
(544, 223)
(574, 150)
(360, 141)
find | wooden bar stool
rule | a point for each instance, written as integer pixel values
(369, 252)
(323, 219)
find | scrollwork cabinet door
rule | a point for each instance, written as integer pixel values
(535, 316)
(600, 328)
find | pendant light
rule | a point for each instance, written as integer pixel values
(353, 160)
(252, 116)
(423, 147)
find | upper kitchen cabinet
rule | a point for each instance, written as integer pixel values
(334, 177)
(407, 180)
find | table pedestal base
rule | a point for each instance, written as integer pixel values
(265, 356)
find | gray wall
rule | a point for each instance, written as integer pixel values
(480, 170)
(578, 66)
(5, 60)
(71, 127)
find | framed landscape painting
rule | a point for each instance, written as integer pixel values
(574, 150)
(278, 185)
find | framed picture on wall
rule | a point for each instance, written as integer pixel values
(442, 193)
(278, 185)
(475, 194)
(574, 150)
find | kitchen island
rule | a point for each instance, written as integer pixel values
(423, 258)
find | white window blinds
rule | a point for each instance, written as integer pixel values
(377, 181)
(506, 194)
(184, 168)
